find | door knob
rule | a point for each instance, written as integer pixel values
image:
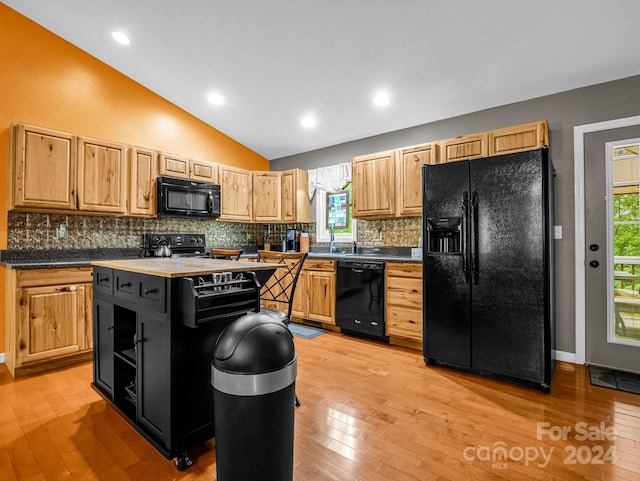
(594, 263)
(594, 247)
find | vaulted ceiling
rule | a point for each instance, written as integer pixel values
(277, 61)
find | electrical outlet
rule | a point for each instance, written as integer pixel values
(61, 232)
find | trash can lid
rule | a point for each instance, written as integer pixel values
(254, 343)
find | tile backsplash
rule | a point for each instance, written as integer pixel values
(39, 231)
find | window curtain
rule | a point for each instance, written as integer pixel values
(330, 179)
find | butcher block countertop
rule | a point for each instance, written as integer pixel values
(182, 266)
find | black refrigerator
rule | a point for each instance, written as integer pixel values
(488, 293)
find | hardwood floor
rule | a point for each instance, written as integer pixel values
(369, 412)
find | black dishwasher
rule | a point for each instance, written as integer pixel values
(360, 299)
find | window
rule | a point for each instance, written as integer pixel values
(336, 207)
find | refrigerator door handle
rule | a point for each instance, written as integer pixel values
(475, 242)
(465, 220)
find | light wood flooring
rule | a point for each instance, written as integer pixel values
(369, 412)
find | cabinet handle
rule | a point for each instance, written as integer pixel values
(150, 291)
(125, 284)
(69, 289)
(109, 328)
(102, 280)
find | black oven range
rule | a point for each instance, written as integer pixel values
(175, 245)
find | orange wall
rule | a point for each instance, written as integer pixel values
(46, 81)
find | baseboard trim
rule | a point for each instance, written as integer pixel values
(566, 356)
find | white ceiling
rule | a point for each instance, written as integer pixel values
(277, 60)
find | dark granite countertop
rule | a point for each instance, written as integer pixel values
(60, 258)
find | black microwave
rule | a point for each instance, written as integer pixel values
(188, 199)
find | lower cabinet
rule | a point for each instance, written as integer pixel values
(48, 318)
(404, 304)
(315, 296)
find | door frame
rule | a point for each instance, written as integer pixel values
(579, 132)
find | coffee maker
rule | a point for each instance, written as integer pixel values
(292, 241)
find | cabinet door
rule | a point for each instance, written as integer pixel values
(321, 296)
(142, 178)
(101, 176)
(154, 377)
(409, 185)
(374, 185)
(87, 342)
(173, 165)
(267, 196)
(299, 306)
(203, 171)
(44, 168)
(103, 345)
(518, 138)
(235, 194)
(51, 322)
(464, 147)
(296, 206)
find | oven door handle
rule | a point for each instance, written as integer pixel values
(357, 271)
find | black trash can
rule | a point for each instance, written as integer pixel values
(253, 376)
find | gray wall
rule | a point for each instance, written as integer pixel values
(607, 101)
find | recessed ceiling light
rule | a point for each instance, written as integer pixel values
(381, 99)
(121, 38)
(309, 121)
(216, 98)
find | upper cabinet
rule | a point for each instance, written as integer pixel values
(184, 168)
(296, 206)
(173, 165)
(203, 171)
(373, 185)
(519, 138)
(44, 169)
(236, 202)
(267, 196)
(389, 184)
(465, 147)
(409, 177)
(142, 182)
(102, 176)
(59, 172)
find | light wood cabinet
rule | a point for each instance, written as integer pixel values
(373, 178)
(236, 201)
(48, 317)
(43, 169)
(404, 303)
(181, 167)
(203, 171)
(409, 178)
(315, 296)
(465, 147)
(267, 196)
(296, 206)
(142, 182)
(173, 165)
(102, 176)
(519, 138)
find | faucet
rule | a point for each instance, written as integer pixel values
(332, 239)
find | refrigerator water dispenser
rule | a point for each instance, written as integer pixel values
(444, 235)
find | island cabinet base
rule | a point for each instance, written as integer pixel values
(150, 365)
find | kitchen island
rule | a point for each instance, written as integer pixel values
(155, 324)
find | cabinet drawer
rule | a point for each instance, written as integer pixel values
(404, 269)
(404, 322)
(152, 293)
(319, 265)
(125, 285)
(405, 292)
(103, 280)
